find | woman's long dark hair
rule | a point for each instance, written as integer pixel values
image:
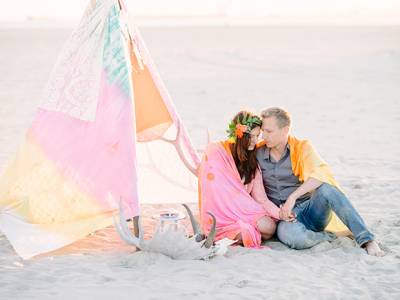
(245, 160)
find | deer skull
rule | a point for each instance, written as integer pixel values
(174, 244)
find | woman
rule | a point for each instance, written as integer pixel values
(231, 187)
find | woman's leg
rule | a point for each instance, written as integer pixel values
(239, 240)
(267, 227)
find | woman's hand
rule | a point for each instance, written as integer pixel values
(285, 212)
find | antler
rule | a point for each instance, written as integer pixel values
(123, 230)
(199, 236)
(211, 236)
(178, 148)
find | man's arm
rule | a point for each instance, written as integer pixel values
(309, 185)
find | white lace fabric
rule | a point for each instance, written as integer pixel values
(73, 87)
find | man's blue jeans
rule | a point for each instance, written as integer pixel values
(314, 214)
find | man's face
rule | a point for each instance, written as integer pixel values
(272, 134)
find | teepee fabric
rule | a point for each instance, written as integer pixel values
(105, 130)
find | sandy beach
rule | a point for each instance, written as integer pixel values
(341, 84)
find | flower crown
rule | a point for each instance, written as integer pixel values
(236, 130)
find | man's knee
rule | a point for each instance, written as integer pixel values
(292, 234)
(326, 190)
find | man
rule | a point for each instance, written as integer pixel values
(301, 183)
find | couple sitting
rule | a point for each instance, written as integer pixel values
(279, 185)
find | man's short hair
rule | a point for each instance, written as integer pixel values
(283, 117)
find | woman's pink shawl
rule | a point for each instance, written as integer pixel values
(236, 207)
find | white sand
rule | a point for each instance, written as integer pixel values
(342, 86)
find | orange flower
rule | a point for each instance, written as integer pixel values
(240, 130)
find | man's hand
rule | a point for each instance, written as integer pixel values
(285, 212)
(286, 209)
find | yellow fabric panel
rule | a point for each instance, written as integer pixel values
(33, 183)
(306, 163)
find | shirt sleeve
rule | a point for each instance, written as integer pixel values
(258, 193)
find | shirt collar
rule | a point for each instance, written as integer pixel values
(267, 154)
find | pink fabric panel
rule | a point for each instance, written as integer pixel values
(99, 156)
(223, 194)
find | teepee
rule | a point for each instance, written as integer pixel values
(106, 126)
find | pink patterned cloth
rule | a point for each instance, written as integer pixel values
(236, 206)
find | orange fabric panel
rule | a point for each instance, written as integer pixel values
(149, 105)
